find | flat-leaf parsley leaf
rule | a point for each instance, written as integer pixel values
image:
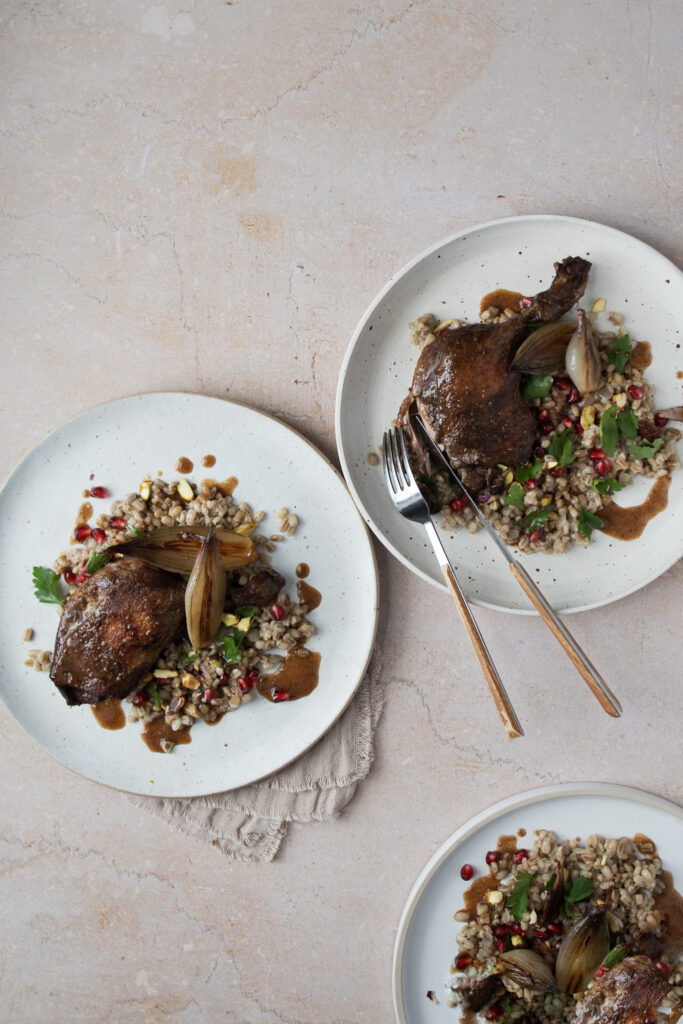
(609, 432)
(647, 450)
(588, 522)
(518, 898)
(46, 584)
(621, 353)
(537, 386)
(607, 485)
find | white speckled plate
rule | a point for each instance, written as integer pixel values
(276, 467)
(426, 938)
(448, 280)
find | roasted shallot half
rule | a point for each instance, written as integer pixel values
(583, 949)
(205, 593)
(527, 969)
(175, 548)
(582, 358)
(544, 350)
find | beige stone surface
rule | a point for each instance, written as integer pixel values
(207, 195)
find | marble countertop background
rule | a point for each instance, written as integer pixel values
(206, 196)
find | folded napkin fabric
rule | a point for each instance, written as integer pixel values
(250, 823)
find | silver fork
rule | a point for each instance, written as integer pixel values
(408, 500)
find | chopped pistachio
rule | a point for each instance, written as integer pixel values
(620, 400)
(229, 620)
(244, 624)
(546, 501)
(185, 490)
(509, 477)
(189, 681)
(599, 306)
(145, 490)
(516, 940)
(587, 416)
(494, 897)
(164, 673)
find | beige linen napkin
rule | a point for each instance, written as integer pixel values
(250, 823)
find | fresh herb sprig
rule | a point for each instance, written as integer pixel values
(621, 353)
(614, 956)
(232, 641)
(532, 520)
(646, 450)
(536, 386)
(588, 522)
(515, 496)
(96, 561)
(607, 485)
(562, 448)
(46, 585)
(529, 471)
(518, 898)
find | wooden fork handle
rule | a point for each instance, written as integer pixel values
(597, 684)
(500, 697)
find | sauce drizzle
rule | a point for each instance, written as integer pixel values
(627, 523)
(208, 461)
(308, 595)
(502, 299)
(184, 465)
(302, 570)
(297, 676)
(109, 714)
(642, 357)
(225, 487)
(158, 730)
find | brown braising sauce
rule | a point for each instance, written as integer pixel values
(302, 570)
(208, 461)
(109, 714)
(670, 904)
(184, 465)
(476, 892)
(627, 523)
(502, 299)
(158, 730)
(297, 676)
(84, 512)
(308, 595)
(225, 487)
(642, 357)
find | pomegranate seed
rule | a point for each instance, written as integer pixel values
(664, 968)
(457, 504)
(494, 1012)
(501, 930)
(82, 577)
(140, 698)
(279, 695)
(248, 681)
(567, 422)
(517, 929)
(603, 467)
(492, 857)
(601, 971)
(530, 484)
(563, 383)
(463, 961)
(547, 428)
(99, 492)
(543, 415)
(541, 934)
(634, 391)
(466, 872)
(69, 577)
(519, 855)
(208, 695)
(83, 532)
(533, 537)
(579, 429)
(539, 451)
(118, 523)
(596, 453)
(555, 929)
(660, 421)
(99, 535)
(277, 611)
(525, 301)
(573, 396)
(558, 471)
(501, 945)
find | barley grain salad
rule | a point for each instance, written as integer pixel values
(545, 412)
(225, 626)
(569, 932)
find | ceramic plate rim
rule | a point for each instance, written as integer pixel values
(485, 817)
(167, 394)
(349, 353)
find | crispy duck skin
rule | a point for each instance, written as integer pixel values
(469, 398)
(113, 629)
(568, 285)
(628, 993)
